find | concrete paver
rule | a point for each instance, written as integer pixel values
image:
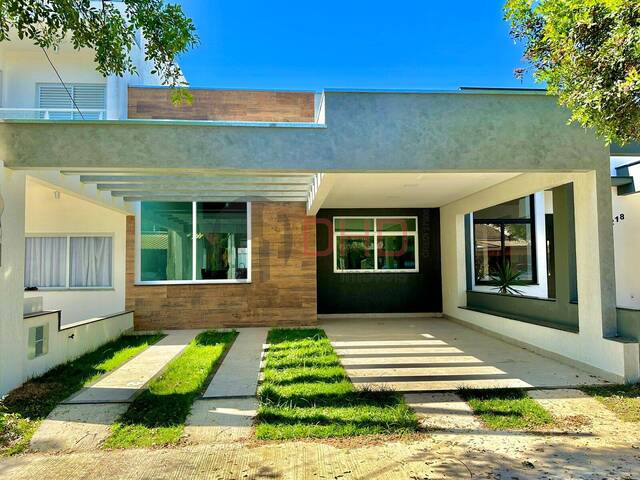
(442, 411)
(221, 420)
(121, 385)
(238, 374)
(436, 354)
(76, 427)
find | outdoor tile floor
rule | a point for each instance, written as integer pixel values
(435, 354)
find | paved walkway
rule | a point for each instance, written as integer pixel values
(121, 385)
(78, 427)
(83, 421)
(442, 411)
(435, 354)
(219, 420)
(599, 446)
(240, 369)
(228, 407)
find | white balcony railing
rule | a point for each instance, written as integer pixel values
(52, 113)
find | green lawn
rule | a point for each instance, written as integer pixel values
(306, 393)
(507, 409)
(623, 400)
(25, 407)
(157, 416)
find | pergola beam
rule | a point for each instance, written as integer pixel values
(194, 187)
(209, 198)
(198, 179)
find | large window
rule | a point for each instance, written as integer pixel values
(505, 234)
(185, 242)
(68, 261)
(375, 244)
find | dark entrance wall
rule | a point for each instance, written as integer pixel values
(382, 292)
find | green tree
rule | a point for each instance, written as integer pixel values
(588, 53)
(108, 28)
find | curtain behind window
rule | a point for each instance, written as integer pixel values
(45, 262)
(90, 262)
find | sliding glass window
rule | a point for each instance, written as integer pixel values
(505, 234)
(375, 244)
(191, 242)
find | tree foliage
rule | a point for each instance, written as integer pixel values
(108, 28)
(588, 53)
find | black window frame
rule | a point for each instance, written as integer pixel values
(509, 221)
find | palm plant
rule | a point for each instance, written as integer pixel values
(506, 278)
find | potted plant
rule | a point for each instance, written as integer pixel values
(506, 278)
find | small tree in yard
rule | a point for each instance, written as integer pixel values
(107, 30)
(588, 53)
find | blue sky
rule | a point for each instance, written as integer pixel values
(404, 44)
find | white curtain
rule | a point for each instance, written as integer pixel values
(90, 262)
(45, 262)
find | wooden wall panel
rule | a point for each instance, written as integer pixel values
(239, 105)
(282, 291)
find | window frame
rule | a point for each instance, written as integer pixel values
(194, 226)
(68, 237)
(373, 234)
(509, 221)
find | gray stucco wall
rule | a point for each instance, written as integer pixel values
(364, 132)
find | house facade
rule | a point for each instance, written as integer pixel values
(249, 208)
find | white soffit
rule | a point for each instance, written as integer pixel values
(399, 190)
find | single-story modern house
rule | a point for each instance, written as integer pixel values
(249, 208)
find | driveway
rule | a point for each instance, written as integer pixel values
(436, 354)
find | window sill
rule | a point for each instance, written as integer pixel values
(193, 282)
(71, 289)
(376, 271)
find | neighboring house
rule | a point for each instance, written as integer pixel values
(280, 208)
(625, 172)
(74, 234)
(31, 89)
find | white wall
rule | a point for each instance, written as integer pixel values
(12, 341)
(589, 347)
(626, 239)
(540, 288)
(70, 343)
(72, 215)
(24, 68)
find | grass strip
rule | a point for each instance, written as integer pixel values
(507, 409)
(306, 393)
(157, 416)
(623, 400)
(24, 408)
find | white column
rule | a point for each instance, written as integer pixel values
(116, 98)
(13, 344)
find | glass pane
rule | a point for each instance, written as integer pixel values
(488, 251)
(517, 249)
(397, 252)
(355, 253)
(165, 241)
(221, 241)
(353, 224)
(90, 264)
(396, 224)
(515, 209)
(45, 262)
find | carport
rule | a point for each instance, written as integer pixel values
(423, 354)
